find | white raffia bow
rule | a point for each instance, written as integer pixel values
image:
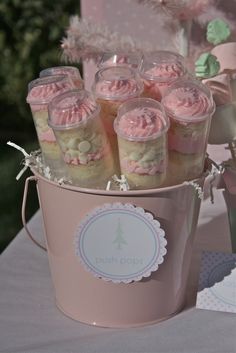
(34, 159)
(216, 170)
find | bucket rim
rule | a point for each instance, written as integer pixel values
(144, 192)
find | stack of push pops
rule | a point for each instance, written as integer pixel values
(146, 118)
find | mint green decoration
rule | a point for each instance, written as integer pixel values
(119, 239)
(218, 31)
(207, 66)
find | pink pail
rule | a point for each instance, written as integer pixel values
(87, 296)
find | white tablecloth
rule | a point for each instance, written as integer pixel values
(31, 323)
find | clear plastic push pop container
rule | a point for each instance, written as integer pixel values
(141, 126)
(40, 92)
(113, 86)
(190, 106)
(129, 59)
(159, 69)
(71, 71)
(75, 120)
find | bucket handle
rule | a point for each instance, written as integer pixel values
(24, 201)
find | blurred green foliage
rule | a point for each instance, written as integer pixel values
(30, 35)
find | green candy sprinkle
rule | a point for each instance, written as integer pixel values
(84, 146)
(218, 31)
(207, 66)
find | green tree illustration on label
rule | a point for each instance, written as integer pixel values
(119, 239)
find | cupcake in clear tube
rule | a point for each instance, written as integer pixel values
(189, 106)
(71, 71)
(129, 59)
(141, 127)
(75, 120)
(160, 69)
(41, 92)
(113, 86)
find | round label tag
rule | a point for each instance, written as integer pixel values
(224, 289)
(120, 243)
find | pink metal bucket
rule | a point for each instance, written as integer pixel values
(92, 300)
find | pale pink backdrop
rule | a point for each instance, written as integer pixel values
(128, 18)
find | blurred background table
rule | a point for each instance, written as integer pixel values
(31, 323)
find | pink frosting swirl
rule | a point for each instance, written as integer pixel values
(44, 93)
(117, 83)
(165, 71)
(187, 102)
(70, 71)
(117, 89)
(71, 111)
(140, 122)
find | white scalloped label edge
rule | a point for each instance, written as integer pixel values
(120, 243)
